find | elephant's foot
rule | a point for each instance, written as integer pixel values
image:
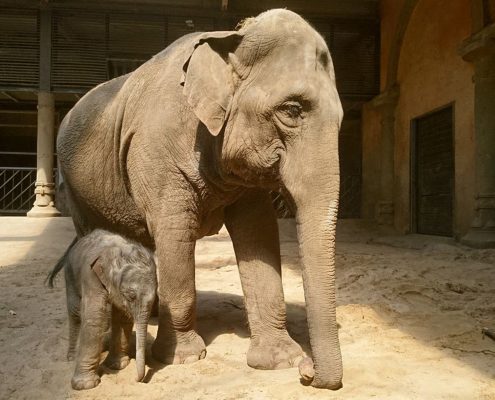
(187, 348)
(275, 352)
(307, 373)
(117, 361)
(83, 381)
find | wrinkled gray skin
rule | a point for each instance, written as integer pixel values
(196, 137)
(100, 269)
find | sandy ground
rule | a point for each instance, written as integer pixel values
(410, 311)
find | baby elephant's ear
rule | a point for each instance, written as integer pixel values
(97, 268)
(208, 78)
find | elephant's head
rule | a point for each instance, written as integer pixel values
(128, 273)
(268, 90)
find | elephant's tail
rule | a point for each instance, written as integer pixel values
(59, 265)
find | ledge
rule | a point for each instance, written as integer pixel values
(387, 98)
(478, 45)
(479, 239)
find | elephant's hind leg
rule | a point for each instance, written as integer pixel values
(253, 228)
(73, 309)
(74, 327)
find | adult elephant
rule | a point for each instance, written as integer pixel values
(196, 137)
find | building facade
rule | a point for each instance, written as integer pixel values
(52, 52)
(429, 136)
(416, 79)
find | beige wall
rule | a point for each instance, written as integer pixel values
(431, 75)
(371, 130)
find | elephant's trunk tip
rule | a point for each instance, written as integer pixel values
(141, 330)
(140, 376)
(306, 369)
(140, 366)
(307, 373)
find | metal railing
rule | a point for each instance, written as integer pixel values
(16, 189)
(350, 196)
(349, 201)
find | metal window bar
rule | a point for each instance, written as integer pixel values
(19, 48)
(18, 153)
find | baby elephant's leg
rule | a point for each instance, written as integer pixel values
(74, 312)
(93, 322)
(74, 327)
(118, 355)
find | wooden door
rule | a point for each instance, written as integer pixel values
(433, 173)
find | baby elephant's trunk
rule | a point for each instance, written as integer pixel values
(141, 333)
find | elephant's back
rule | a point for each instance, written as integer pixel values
(88, 153)
(90, 112)
(85, 142)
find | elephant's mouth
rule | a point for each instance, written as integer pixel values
(288, 200)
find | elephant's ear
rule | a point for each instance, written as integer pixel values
(208, 78)
(97, 268)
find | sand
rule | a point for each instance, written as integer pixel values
(411, 309)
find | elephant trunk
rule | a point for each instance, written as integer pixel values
(311, 178)
(141, 333)
(316, 233)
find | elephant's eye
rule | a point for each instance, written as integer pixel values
(290, 113)
(292, 109)
(129, 294)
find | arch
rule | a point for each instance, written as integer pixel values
(396, 46)
(479, 16)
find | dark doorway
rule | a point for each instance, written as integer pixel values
(350, 157)
(433, 173)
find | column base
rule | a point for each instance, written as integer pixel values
(384, 213)
(479, 239)
(42, 212)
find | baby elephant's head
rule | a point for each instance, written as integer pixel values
(128, 273)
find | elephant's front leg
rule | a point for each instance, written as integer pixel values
(177, 341)
(252, 225)
(118, 354)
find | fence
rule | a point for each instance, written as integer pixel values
(16, 189)
(349, 202)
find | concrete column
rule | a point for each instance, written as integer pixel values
(386, 102)
(480, 50)
(44, 187)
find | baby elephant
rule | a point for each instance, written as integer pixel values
(100, 269)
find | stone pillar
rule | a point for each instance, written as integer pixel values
(480, 50)
(386, 102)
(44, 187)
